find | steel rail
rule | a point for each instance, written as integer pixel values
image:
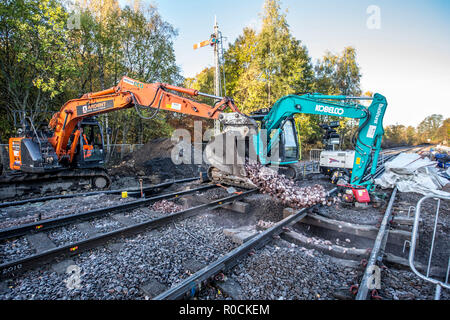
(380, 167)
(388, 157)
(229, 260)
(23, 264)
(47, 224)
(134, 191)
(380, 243)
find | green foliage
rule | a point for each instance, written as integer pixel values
(33, 56)
(203, 82)
(263, 67)
(428, 128)
(395, 135)
(44, 63)
(338, 74)
(431, 130)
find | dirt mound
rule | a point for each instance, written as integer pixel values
(154, 160)
(157, 148)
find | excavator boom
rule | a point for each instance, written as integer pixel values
(129, 93)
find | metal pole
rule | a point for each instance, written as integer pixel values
(217, 71)
(108, 140)
(434, 237)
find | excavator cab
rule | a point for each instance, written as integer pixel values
(287, 144)
(91, 147)
(289, 151)
(90, 151)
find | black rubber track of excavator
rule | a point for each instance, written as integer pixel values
(12, 183)
(18, 266)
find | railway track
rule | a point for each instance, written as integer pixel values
(14, 267)
(48, 224)
(191, 240)
(376, 254)
(181, 258)
(389, 234)
(191, 285)
(130, 191)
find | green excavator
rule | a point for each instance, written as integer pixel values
(270, 137)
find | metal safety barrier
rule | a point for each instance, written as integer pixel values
(314, 158)
(439, 284)
(314, 154)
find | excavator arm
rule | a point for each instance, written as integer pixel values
(128, 93)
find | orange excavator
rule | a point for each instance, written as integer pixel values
(71, 155)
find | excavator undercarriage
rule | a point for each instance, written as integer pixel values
(20, 184)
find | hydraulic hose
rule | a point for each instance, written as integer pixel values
(137, 105)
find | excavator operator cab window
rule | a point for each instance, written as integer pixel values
(93, 135)
(91, 142)
(290, 142)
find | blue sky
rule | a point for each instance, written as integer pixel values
(407, 59)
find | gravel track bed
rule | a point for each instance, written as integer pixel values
(262, 207)
(139, 216)
(405, 285)
(20, 247)
(161, 255)
(441, 251)
(32, 212)
(284, 271)
(66, 235)
(169, 254)
(166, 255)
(369, 215)
(104, 225)
(14, 249)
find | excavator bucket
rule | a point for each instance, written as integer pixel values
(228, 152)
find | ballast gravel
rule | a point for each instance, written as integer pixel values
(122, 269)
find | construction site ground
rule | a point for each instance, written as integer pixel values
(304, 262)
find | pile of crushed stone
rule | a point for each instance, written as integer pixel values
(166, 206)
(269, 181)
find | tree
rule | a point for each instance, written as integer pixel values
(203, 82)
(283, 61)
(262, 67)
(238, 58)
(394, 135)
(338, 74)
(443, 133)
(411, 135)
(33, 56)
(44, 62)
(427, 129)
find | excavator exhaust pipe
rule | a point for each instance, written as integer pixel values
(228, 152)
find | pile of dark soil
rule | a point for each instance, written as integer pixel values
(154, 161)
